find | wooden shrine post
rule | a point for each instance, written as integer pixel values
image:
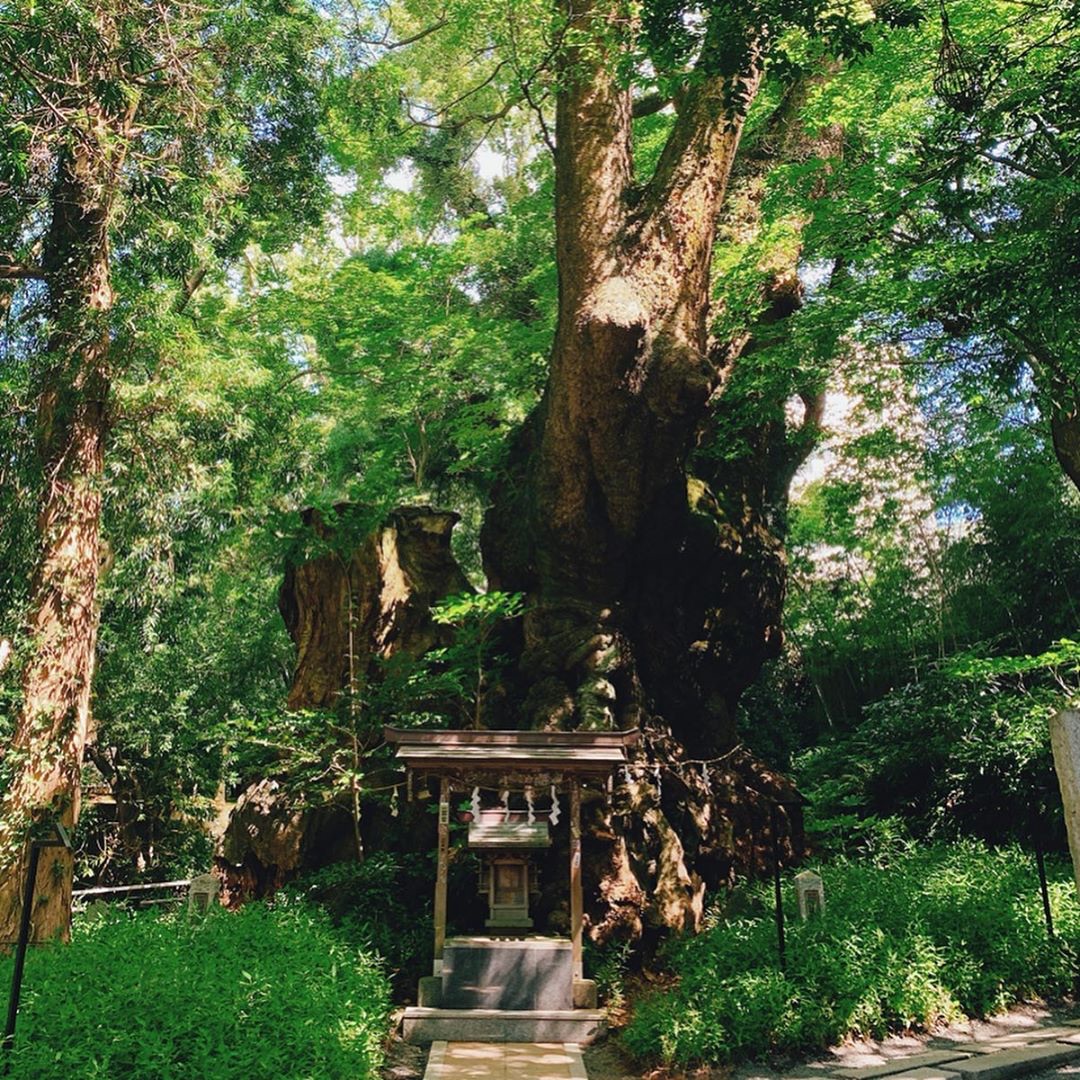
(442, 873)
(576, 898)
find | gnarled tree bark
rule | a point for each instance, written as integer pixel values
(654, 594)
(369, 596)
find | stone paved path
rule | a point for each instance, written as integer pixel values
(1030, 1050)
(504, 1061)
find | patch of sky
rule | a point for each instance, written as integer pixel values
(402, 177)
(298, 352)
(815, 276)
(490, 164)
(342, 183)
(956, 516)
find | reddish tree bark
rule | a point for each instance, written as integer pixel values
(52, 726)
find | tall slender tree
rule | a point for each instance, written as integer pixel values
(133, 138)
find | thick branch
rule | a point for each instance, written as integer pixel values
(16, 270)
(190, 286)
(693, 170)
(650, 105)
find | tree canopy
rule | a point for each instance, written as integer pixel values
(740, 339)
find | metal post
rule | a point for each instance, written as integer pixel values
(1040, 862)
(775, 809)
(20, 947)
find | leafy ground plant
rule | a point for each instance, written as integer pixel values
(935, 934)
(267, 991)
(382, 905)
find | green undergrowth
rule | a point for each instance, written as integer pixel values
(266, 991)
(929, 936)
(383, 905)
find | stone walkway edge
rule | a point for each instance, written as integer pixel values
(999, 1058)
(1017, 1054)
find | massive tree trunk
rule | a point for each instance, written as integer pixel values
(653, 598)
(368, 596)
(598, 534)
(51, 730)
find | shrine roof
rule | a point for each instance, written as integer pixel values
(583, 751)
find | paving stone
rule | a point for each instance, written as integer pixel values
(1024, 1037)
(504, 1061)
(1017, 1039)
(927, 1072)
(1015, 1062)
(903, 1064)
(1036, 1034)
(983, 1046)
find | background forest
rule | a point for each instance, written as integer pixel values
(327, 285)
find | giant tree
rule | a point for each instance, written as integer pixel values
(652, 565)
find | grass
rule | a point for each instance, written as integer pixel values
(267, 991)
(930, 936)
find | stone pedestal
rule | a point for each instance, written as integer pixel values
(585, 995)
(525, 973)
(1065, 741)
(506, 989)
(429, 995)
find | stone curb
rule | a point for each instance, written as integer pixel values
(577, 1061)
(1002, 1063)
(898, 1065)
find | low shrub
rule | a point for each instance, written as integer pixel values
(935, 934)
(382, 904)
(608, 965)
(267, 991)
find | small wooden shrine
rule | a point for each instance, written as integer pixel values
(509, 984)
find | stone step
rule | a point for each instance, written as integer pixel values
(580, 1026)
(899, 1065)
(1006, 1064)
(523, 975)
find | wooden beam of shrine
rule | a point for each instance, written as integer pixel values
(442, 873)
(576, 898)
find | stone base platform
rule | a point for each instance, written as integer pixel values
(578, 1026)
(517, 973)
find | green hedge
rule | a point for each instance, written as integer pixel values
(267, 991)
(937, 933)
